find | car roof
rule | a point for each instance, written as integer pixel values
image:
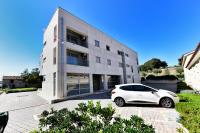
(130, 84)
(135, 84)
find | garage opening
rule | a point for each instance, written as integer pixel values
(113, 80)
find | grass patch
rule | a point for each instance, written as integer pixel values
(19, 90)
(189, 108)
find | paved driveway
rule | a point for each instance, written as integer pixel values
(22, 107)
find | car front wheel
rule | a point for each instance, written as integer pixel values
(166, 102)
(119, 102)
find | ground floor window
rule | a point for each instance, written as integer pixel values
(77, 84)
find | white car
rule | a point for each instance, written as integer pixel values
(141, 94)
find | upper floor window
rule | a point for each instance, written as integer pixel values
(119, 52)
(55, 33)
(127, 65)
(120, 64)
(126, 55)
(44, 59)
(97, 43)
(132, 69)
(54, 56)
(107, 48)
(98, 59)
(137, 61)
(109, 62)
(45, 43)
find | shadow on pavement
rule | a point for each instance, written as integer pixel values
(142, 105)
(103, 95)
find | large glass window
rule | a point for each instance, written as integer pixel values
(77, 58)
(76, 38)
(84, 84)
(77, 84)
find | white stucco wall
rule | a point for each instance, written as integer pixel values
(192, 76)
(47, 67)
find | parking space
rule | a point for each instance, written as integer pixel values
(23, 106)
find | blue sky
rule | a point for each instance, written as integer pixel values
(154, 28)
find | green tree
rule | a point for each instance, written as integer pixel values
(33, 79)
(153, 64)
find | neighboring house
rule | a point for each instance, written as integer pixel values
(13, 82)
(191, 65)
(1, 84)
(79, 59)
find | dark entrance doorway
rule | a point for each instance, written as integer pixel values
(97, 82)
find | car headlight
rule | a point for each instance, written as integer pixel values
(173, 94)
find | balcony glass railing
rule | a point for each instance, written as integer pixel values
(76, 61)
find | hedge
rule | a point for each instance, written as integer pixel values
(165, 77)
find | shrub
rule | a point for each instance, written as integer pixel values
(19, 90)
(142, 78)
(165, 77)
(90, 118)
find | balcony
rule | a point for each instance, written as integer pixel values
(76, 38)
(77, 58)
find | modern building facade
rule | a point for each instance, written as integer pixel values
(78, 59)
(191, 65)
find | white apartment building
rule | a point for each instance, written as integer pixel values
(191, 65)
(78, 59)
